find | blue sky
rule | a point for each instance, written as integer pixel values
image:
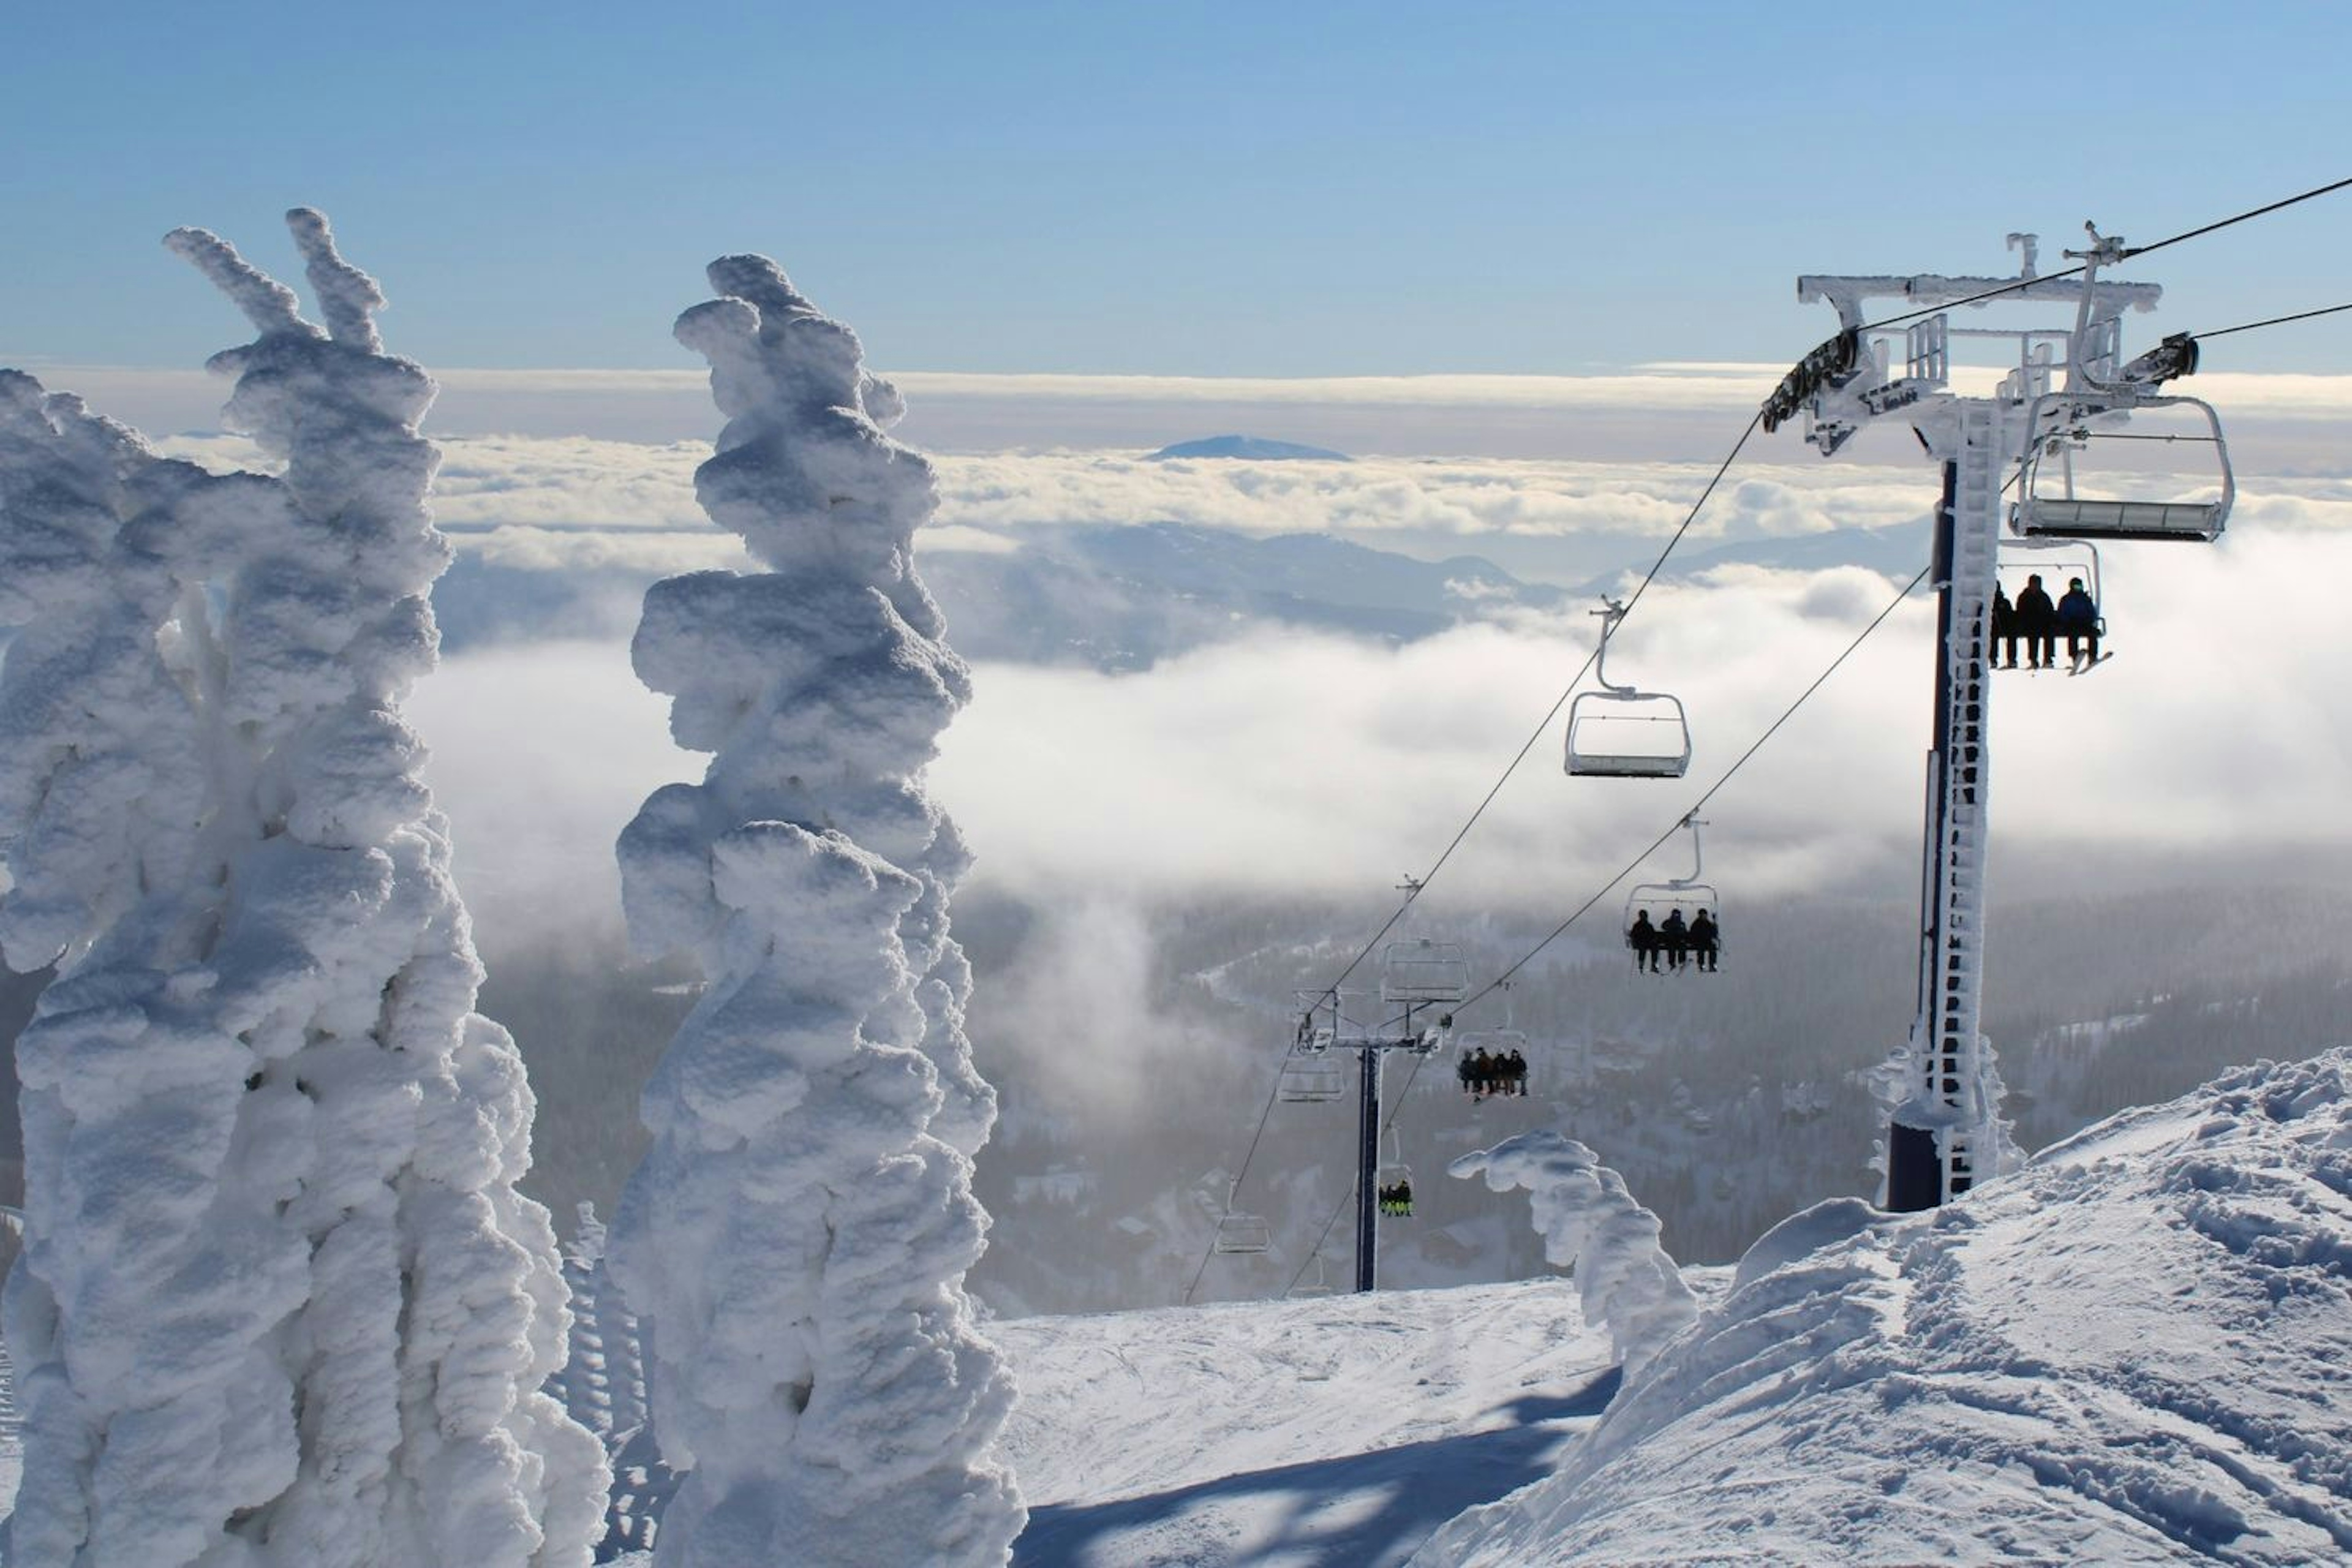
(1303, 189)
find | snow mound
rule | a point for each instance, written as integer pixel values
(1250, 448)
(2132, 1351)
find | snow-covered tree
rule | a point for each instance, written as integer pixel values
(280, 1303)
(1590, 1223)
(796, 1239)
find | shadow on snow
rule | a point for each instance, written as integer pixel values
(1380, 1505)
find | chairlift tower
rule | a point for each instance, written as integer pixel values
(2063, 382)
(1420, 983)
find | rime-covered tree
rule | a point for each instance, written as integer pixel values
(280, 1302)
(797, 1237)
(1589, 1222)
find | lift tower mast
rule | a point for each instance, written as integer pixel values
(1942, 1092)
(1420, 981)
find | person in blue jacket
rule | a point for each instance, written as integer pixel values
(2078, 618)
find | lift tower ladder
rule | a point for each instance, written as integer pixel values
(1944, 1113)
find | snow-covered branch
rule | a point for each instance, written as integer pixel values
(1589, 1222)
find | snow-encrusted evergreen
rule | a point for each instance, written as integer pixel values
(797, 1237)
(280, 1302)
(1588, 1221)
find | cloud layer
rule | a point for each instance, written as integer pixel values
(1684, 413)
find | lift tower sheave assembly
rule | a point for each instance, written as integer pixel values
(2064, 384)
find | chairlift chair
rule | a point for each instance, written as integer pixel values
(1242, 1233)
(1318, 1286)
(1622, 731)
(1393, 1172)
(1423, 970)
(2060, 425)
(1689, 894)
(1311, 1080)
(2066, 560)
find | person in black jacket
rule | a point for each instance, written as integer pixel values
(1674, 935)
(2004, 628)
(2037, 618)
(1705, 937)
(1643, 938)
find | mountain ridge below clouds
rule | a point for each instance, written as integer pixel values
(1250, 448)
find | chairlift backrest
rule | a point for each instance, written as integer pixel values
(2057, 562)
(1659, 899)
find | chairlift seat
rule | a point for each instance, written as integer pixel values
(2050, 517)
(1628, 735)
(1424, 971)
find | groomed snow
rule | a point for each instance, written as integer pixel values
(1339, 1430)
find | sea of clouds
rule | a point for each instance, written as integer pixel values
(1286, 760)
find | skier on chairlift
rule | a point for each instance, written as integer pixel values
(2004, 629)
(1643, 938)
(1674, 935)
(1514, 1073)
(2078, 618)
(1474, 1071)
(1705, 937)
(2037, 618)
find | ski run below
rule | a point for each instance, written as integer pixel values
(2134, 1351)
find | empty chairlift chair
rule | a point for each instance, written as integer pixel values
(2084, 477)
(1242, 1233)
(1311, 1080)
(1413, 972)
(1622, 731)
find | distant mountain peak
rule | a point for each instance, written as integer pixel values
(1254, 448)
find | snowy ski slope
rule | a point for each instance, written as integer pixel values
(2136, 1350)
(1340, 1430)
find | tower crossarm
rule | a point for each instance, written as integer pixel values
(1905, 364)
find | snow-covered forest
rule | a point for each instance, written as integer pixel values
(774, 962)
